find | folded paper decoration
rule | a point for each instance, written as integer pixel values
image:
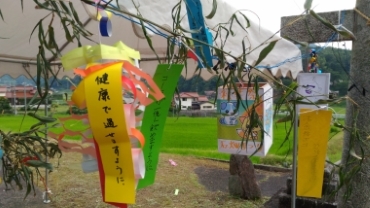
(91, 54)
(111, 135)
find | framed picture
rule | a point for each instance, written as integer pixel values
(313, 86)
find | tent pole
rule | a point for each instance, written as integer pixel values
(295, 149)
(46, 196)
(23, 61)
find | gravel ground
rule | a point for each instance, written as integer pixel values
(217, 180)
(14, 198)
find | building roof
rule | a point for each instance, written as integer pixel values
(3, 89)
(189, 95)
(203, 99)
(20, 95)
(16, 88)
(22, 88)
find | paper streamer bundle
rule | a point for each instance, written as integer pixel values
(112, 125)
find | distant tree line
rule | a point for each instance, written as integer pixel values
(331, 60)
(336, 62)
(198, 84)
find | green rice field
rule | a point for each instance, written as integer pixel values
(196, 136)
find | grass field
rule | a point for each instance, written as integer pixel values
(198, 136)
(194, 136)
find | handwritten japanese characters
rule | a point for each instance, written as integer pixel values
(103, 91)
(166, 78)
(109, 125)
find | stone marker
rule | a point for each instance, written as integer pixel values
(242, 181)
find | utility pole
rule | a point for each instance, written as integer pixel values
(357, 21)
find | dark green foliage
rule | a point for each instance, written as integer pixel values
(197, 84)
(77, 111)
(5, 106)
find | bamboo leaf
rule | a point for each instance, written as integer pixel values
(34, 28)
(231, 25)
(43, 5)
(27, 179)
(148, 39)
(265, 52)
(214, 9)
(51, 41)
(64, 7)
(56, 8)
(246, 19)
(1, 15)
(67, 34)
(39, 69)
(308, 5)
(322, 20)
(75, 14)
(241, 25)
(176, 16)
(346, 33)
(39, 164)
(226, 36)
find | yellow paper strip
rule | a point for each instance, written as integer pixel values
(314, 127)
(107, 121)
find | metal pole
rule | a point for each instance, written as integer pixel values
(295, 147)
(15, 107)
(25, 102)
(46, 198)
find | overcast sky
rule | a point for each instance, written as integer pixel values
(270, 11)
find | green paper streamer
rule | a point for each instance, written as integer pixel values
(155, 115)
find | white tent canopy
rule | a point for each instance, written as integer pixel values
(18, 50)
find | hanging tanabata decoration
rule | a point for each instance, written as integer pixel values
(112, 123)
(124, 155)
(109, 72)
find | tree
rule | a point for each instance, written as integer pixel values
(4, 105)
(356, 190)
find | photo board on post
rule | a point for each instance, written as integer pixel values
(234, 133)
(313, 87)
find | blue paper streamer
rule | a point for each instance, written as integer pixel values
(196, 22)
